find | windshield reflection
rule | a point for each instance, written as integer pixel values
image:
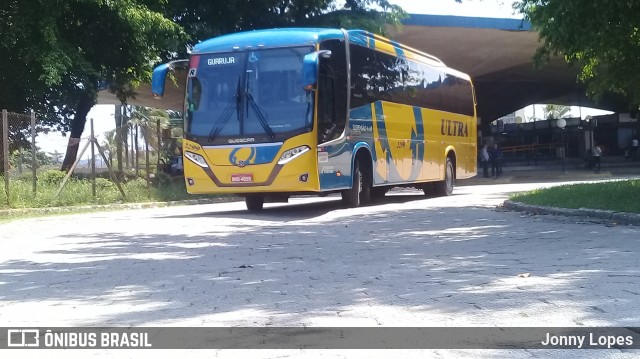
(255, 93)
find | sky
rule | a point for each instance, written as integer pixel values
(476, 8)
(103, 118)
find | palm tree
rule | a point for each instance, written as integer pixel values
(151, 123)
(56, 156)
(556, 111)
(109, 145)
(147, 120)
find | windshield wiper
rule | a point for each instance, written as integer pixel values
(261, 117)
(226, 114)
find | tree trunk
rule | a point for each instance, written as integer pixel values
(85, 104)
(119, 140)
(125, 137)
(136, 152)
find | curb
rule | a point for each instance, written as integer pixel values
(599, 214)
(7, 213)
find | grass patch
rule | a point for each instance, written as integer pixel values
(622, 196)
(78, 191)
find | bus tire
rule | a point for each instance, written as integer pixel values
(445, 188)
(360, 191)
(254, 203)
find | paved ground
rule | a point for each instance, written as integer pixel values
(409, 261)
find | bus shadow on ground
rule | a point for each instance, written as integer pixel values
(297, 211)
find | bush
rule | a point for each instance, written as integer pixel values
(137, 183)
(25, 177)
(103, 183)
(161, 179)
(51, 177)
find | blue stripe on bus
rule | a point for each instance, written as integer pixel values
(356, 39)
(329, 179)
(384, 142)
(417, 144)
(257, 155)
(382, 131)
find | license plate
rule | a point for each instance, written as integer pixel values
(242, 178)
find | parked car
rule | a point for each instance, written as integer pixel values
(175, 167)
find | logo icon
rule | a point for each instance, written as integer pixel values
(239, 156)
(23, 338)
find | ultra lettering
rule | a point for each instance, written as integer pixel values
(454, 128)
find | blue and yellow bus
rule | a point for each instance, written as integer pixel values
(282, 112)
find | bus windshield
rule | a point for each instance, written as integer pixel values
(250, 96)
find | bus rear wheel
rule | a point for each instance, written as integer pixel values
(254, 203)
(445, 188)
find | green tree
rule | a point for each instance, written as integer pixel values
(602, 37)
(206, 19)
(109, 145)
(147, 120)
(70, 55)
(556, 111)
(56, 156)
(22, 158)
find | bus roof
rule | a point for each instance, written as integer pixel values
(282, 37)
(267, 38)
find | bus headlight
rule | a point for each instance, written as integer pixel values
(197, 159)
(289, 155)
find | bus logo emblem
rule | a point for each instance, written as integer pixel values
(246, 159)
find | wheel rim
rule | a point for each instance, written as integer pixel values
(449, 177)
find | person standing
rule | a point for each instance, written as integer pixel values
(633, 151)
(597, 153)
(496, 161)
(484, 160)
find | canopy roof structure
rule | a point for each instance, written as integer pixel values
(498, 55)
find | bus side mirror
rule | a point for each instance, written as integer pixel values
(159, 77)
(310, 65)
(158, 80)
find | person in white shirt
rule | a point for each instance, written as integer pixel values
(597, 153)
(484, 160)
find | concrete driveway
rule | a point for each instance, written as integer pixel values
(407, 261)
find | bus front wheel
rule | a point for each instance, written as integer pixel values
(254, 203)
(360, 191)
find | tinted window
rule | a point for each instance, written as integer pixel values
(376, 76)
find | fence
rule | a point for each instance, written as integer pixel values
(31, 157)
